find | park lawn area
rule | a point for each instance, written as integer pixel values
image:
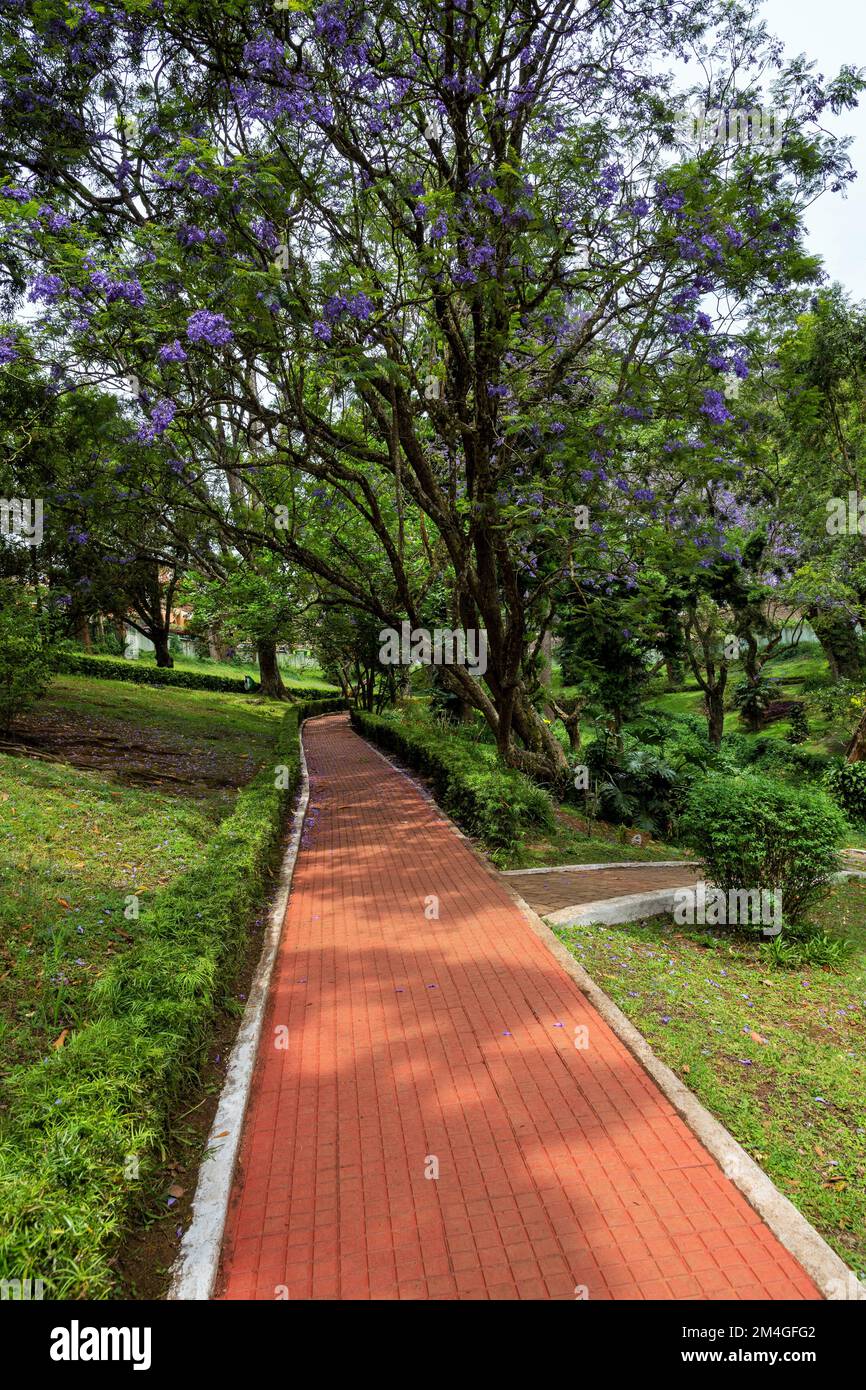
(116, 791)
(575, 841)
(309, 677)
(824, 736)
(776, 1054)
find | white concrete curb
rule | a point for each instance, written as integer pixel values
(609, 911)
(195, 1269)
(637, 906)
(628, 864)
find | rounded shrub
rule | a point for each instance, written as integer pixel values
(759, 833)
(846, 784)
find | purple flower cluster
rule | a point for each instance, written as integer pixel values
(191, 236)
(128, 290)
(172, 352)
(45, 288)
(160, 418)
(8, 352)
(357, 306)
(715, 409)
(54, 221)
(205, 327)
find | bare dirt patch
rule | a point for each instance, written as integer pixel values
(131, 753)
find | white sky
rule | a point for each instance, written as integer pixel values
(830, 33)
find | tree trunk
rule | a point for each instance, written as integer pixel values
(160, 641)
(571, 719)
(715, 702)
(857, 747)
(83, 633)
(840, 644)
(269, 670)
(675, 671)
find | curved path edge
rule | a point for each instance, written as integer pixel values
(195, 1269)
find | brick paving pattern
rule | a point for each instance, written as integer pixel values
(412, 1039)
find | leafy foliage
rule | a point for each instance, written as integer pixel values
(756, 833)
(846, 784)
(25, 658)
(106, 669)
(76, 1116)
(752, 699)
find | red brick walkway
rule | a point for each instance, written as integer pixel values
(415, 1043)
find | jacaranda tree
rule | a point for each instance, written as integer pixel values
(447, 273)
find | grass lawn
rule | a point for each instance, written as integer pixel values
(576, 841)
(310, 677)
(117, 791)
(777, 1055)
(824, 736)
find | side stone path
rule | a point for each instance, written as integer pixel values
(422, 1124)
(553, 891)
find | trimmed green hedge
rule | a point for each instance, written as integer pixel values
(107, 669)
(492, 802)
(80, 1119)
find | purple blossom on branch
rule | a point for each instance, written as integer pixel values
(715, 409)
(45, 288)
(172, 352)
(160, 418)
(206, 327)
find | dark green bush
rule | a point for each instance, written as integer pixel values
(636, 784)
(752, 699)
(496, 804)
(757, 833)
(799, 730)
(846, 784)
(25, 658)
(77, 664)
(766, 754)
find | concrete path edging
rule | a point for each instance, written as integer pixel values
(587, 868)
(195, 1269)
(631, 906)
(610, 911)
